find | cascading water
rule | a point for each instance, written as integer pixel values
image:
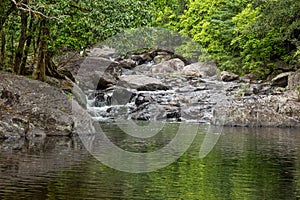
(186, 103)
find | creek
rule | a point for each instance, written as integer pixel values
(262, 163)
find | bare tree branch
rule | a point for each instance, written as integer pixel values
(22, 6)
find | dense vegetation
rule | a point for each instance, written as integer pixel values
(243, 36)
(34, 32)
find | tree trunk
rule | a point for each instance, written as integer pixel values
(39, 71)
(22, 40)
(12, 41)
(36, 50)
(6, 8)
(27, 45)
(2, 53)
(42, 66)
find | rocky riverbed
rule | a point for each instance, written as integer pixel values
(161, 86)
(157, 85)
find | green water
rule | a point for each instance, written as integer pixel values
(244, 164)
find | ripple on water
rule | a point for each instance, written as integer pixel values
(244, 164)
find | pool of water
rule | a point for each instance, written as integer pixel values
(244, 164)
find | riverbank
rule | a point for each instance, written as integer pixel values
(30, 108)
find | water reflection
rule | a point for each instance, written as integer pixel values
(244, 164)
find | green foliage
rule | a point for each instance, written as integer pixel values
(64, 25)
(84, 23)
(147, 38)
(242, 35)
(210, 24)
(167, 12)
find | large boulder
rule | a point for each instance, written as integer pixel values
(121, 96)
(200, 69)
(141, 82)
(228, 76)
(97, 73)
(104, 51)
(30, 108)
(170, 66)
(260, 111)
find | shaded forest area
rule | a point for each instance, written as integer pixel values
(242, 36)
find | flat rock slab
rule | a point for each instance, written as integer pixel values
(259, 111)
(200, 69)
(141, 82)
(105, 52)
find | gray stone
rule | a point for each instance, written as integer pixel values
(200, 69)
(79, 95)
(33, 108)
(97, 73)
(141, 82)
(228, 76)
(259, 111)
(294, 80)
(170, 66)
(161, 58)
(127, 64)
(248, 78)
(105, 52)
(121, 96)
(281, 80)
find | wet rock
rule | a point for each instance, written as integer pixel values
(79, 95)
(262, 89)
(142, 58)
(143, 69)
(228, 76)
(142, 98)
(152, 111)
(92, 75)
(114, 70)
(127, 64)
(105, 82)
(121, 96)
(161, 58)
(259, 111)
(173, 113)
(141, 82)
(248, 78)
(170, 66)
(294, 80)
(104, 52)
(13, 126)
(281, 80)
(200, 69)
(35, 108)
(100, 99)
(186, 89)
(152, 87)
